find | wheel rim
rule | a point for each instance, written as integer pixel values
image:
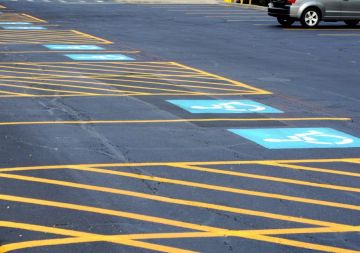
(311, 18)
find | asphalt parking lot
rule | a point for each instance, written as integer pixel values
(176, 128)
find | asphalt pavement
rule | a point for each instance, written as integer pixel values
(176, 128)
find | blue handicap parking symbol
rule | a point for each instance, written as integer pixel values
(289, 138)
(223, 106)
(99, 57)
(73, 47)
(15, 23)
(24, 28)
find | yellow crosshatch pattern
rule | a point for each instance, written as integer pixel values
(19, 17)
(48, 37)
(304, 224)
(114, 79)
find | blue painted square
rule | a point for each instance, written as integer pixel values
(24, 28)
(15, 23)
(223, 106)
(289, 138)
(73, 47)
(99, 57)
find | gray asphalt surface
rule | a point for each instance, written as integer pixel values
(312, 75)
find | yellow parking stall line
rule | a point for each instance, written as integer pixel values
(218, 231)
(176, 201)
(222, 188)
(269, 178)
(196, 163)
(225, 79)
(143, 74)
(135, 237)
(109, 68)
(150, 65)
(2, 6)
(307, 168)
(13, 93)
(34, 18)
(92, 37)
(74, 86)
(158, 121)
(44, 89)
(76, 237)
(219, 188)
(26, 79)
(104, 68)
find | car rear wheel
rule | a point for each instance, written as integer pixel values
(352, 22)
(310, 17)
(286, 22)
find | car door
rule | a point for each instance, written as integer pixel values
(333, 9)
(351, 9)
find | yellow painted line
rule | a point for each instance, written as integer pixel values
(90, 237)
(89, 74)
(92, 37)
(2, 7)
(269, 178)
(63, 83)
(176, 201)
(341, 35)
(219, 232)
(220, 188)
(225, 79)
(33, 18)
(69, 51)
(76, 86)
(154, 121)
(13, 93)
(196, 163)
(126, 95)
(321, 170)
(43, 89)
(79, 237)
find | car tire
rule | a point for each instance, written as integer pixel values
(310, 17)
(286, 22)
(352, 22)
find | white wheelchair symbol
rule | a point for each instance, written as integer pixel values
(231, 106)
(314, 137)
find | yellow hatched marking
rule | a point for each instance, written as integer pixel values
(265, 235)
(269, 178)
(48, 37)
(148, 75)
(174, 200)
(19, 17)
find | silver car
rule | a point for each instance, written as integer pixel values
(311, 12)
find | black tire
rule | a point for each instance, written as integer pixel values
(352, 22)
(310, 18)
(286, 22)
